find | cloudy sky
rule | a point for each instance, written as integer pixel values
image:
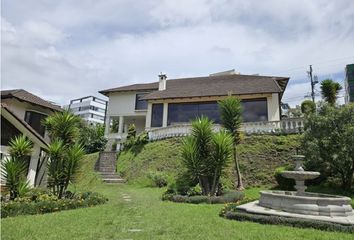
(67, 49)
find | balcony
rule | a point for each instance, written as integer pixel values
(291, 125)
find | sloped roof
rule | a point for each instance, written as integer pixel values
(23, 95)
(219, 86)
(25, 124)
(134, 87)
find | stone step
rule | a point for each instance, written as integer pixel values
(109, 175)
(113, 180)
(107, 169)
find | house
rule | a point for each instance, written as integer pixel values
(168, 103)
(91, 109)
(22, 113)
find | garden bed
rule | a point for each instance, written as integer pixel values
(287, 221)
(46, 203)
(230, 197)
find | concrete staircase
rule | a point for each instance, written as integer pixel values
(106, 165)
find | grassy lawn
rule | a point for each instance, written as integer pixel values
(145, 217)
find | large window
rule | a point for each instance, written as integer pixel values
(255, 110)
(156, 115)
(34, 119)
(8, 131)
(139, 103)
(185, 112)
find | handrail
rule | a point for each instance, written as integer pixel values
(291, 125)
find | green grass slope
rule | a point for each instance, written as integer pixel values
(144, 216)
(259, 156)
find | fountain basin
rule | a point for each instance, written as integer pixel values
(307, 203)
(300, 175)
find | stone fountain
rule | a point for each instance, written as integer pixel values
(301, 202)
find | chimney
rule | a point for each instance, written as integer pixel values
(162, 82)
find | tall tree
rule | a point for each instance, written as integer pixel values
(231, 118)
(330, 90)
(328, 142)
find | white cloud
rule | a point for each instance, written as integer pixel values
(69, 49)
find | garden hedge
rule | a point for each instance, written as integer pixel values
(293, 222)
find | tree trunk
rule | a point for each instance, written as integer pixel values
(239, 185)
(215, 183)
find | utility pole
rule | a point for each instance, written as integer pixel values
(312, 84)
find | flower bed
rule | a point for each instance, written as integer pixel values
(34, 203)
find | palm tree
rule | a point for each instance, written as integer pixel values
(231, 118)
(64, 152)
(330, 90)
(64, 126)
(205, 155)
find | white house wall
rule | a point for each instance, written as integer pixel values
(20, 108)
(123, 104)
(273, 107)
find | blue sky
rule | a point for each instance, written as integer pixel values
(67, 49)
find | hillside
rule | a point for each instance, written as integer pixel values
(259, 156)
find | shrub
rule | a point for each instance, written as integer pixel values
(328, 142)
(136, 141)
(233, 196)
(197, 199)
(38, 203)
(184, 183)
(230, 197)
(92, 138)
(158, 179)
(179, 198)
(194, 191)
(284, 183)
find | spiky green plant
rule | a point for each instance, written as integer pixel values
(64, 126)
(231, 118)
(14, 173)
(206, 154)
(62, 165)
(330, 90)
(55, 166)
(221, 155)
(14, 168)
(20, 147)
(72, 162)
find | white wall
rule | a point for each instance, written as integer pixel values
(123, 104)
(273, 107)
(20, 108)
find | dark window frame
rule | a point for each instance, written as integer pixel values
(8, 131)
(40, 129)
(139, 102)
(157, 120)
